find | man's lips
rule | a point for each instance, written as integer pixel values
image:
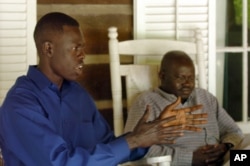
(186, 90)
(79, 66)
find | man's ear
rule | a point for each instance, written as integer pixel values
(47, 49)
(161, 75)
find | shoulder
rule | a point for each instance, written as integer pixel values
(205, 97)
(22, 86)
(21, 97)
(203, 92)
(154, 97)
(148, 95)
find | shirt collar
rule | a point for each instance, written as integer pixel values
(172, 97)
(42, 81)
(38, 77)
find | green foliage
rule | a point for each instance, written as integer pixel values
(238, 12)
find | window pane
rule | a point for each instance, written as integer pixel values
(234, 23)
(232, 99)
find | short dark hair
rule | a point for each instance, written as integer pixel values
(172, 57)
(51, 23)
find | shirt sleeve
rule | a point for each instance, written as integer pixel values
(29, 138)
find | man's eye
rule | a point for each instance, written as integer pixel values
(78, 49)
(180, 78)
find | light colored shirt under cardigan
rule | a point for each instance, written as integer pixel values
(41, 125)
(220, 127)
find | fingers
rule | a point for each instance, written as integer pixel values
(173, 105)
(167, 120)
(188, 119)
(207, 148)
(172, 135)
(168, 109)
(180, 119)
(190, 109)
(195, 108)
(217, 162)
(216, 150)
(196, 116)
(168, 129)
(154, 133)
(193, 128)
(173, 129)
(174, 122)
(169, 134)
(196, 119)
(196, 122)
(214, 160)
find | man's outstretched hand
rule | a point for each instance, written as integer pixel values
(166, 128)
(184, 116)
(147, 133)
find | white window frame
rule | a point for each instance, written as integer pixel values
(244, 49)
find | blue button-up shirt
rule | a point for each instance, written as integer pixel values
(42, 125)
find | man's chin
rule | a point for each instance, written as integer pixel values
(74, 77)
(184, 97)
(185, 94)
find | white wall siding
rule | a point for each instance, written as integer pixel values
(17, 49)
